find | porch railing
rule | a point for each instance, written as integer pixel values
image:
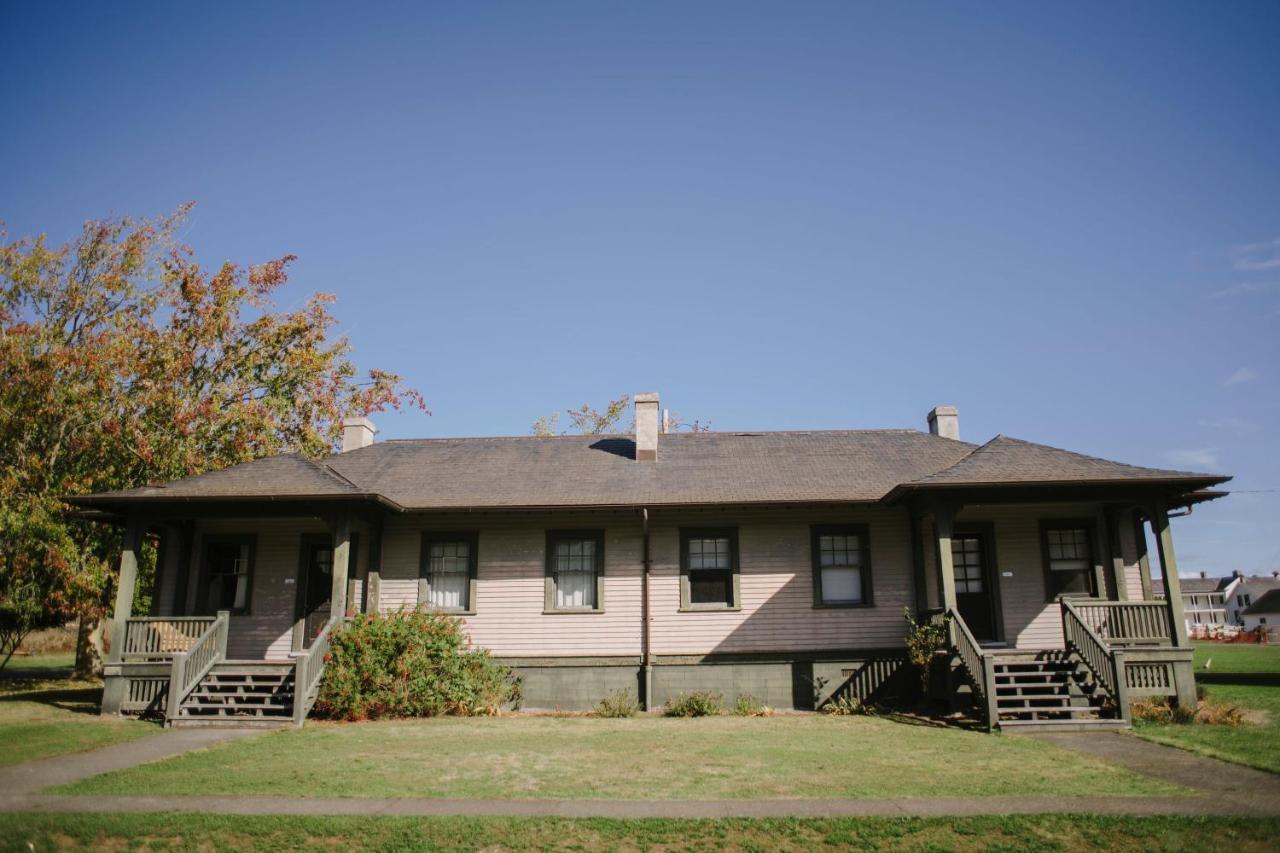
(308, 669)
(976, 663)
(1106, 664)
(192, 665)
(151, 638)
(1127, 623)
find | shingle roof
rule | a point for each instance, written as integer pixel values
(1008, 461)
(692, 468)
(1269, 603)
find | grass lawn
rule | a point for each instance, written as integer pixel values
(1237, 657)
(1256, 744)
(528, 757)
(1023, 832)
(44, 713)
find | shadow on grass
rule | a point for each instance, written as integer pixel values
(1256, 679)
(68, 696)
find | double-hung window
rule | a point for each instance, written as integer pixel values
(709, 569)
(228, 573)
(575, 571)
(1068, 554)
(448, 573)
(841, 566)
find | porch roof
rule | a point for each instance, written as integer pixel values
(848, 466)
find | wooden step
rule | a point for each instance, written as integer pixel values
(1064, 725)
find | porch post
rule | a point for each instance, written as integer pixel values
(944, 517)
(1111, 527)
(113, 688)
(917, 561)
(341, 564)
(1144, 562)
(182, 577)
(1169, 568)
(373, 577)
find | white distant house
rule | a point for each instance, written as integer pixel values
(1263, 613)
(1203, 602)
(1243, 592)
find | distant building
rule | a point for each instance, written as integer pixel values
(1203, 601)
(1263, 613)
(1244, 592)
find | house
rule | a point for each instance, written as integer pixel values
(772, 563)
(1244, 591)
(1263, 613)
(1203, 602)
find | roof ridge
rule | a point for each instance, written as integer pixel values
(627, 435)
(968, 455)
(323, 467)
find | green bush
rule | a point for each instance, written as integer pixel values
(618, 703)
(699, 703)
(749, 706)
(410, 664)
(847, 705)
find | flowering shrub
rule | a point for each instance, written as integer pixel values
(410, 664)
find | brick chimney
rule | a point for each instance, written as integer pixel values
(357, 433)
(944, 421)
(646, 427)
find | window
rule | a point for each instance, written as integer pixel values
(1239, 601)
(966, 561)
(228, 573)
(575, 571)
(841, 566)
(448, 571)
(1068, 554)
(1247, 600)
(709, 569)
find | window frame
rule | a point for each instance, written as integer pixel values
(206, 573)
(553, 537)
(430, 537)
(1089, 526)
(866, 575)
(735, 567)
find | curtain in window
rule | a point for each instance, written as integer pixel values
(840, 561)
(575, 573)
(1070, 560)
(449, 575)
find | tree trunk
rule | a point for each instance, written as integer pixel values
(90, 647)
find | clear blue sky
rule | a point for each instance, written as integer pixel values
(1062, 218)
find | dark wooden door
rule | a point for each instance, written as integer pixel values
(319, 587)
(969, 553)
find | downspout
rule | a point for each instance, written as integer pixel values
(646, 655)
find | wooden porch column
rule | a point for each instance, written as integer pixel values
(1144, 561)
(944, 517)
(113, 688)
(1169, 568)
(373, 577)
(917, 561)
(341, 565)
(186, 565)
(1111, 527)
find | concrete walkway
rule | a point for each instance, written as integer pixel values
(1221, 789)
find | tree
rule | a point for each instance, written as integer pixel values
(586, 419)
(124, 363)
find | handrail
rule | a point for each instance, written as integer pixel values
(970, 654)
(189, 667)
(308, 669)
(1081, 638)
(1123, 623)
(161, 637)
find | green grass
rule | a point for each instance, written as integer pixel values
(53, 663)
(42, 716)
(1237, 657)
(527, 757)
(1022, 832)
(1255, 744)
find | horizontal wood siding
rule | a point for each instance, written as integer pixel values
(1132, 567)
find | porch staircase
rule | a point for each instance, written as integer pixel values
(240, 694)
(1047, 690)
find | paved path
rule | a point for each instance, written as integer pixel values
(59, 770)
(1221, 789)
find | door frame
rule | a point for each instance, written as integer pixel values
(305, 543)
(986, 530)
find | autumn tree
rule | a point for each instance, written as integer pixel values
(123, 363)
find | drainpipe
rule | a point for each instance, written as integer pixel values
(646, 655)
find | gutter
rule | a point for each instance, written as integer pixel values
(646, 652)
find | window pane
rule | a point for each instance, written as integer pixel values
(711, 586)
(576, 589)
(449, 590)
(575, 573)
(709, 553)
(841, 585)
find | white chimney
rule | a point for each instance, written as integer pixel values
(944, 421)
(357, 433)
(646, 427)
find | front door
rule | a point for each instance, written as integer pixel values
(969, 554)
(317, 582)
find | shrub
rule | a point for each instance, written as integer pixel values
(749, 706)
(410, 664)
(847, 705)
(1161, 710)
(699, 703)
(618, 703)
(924, 640)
